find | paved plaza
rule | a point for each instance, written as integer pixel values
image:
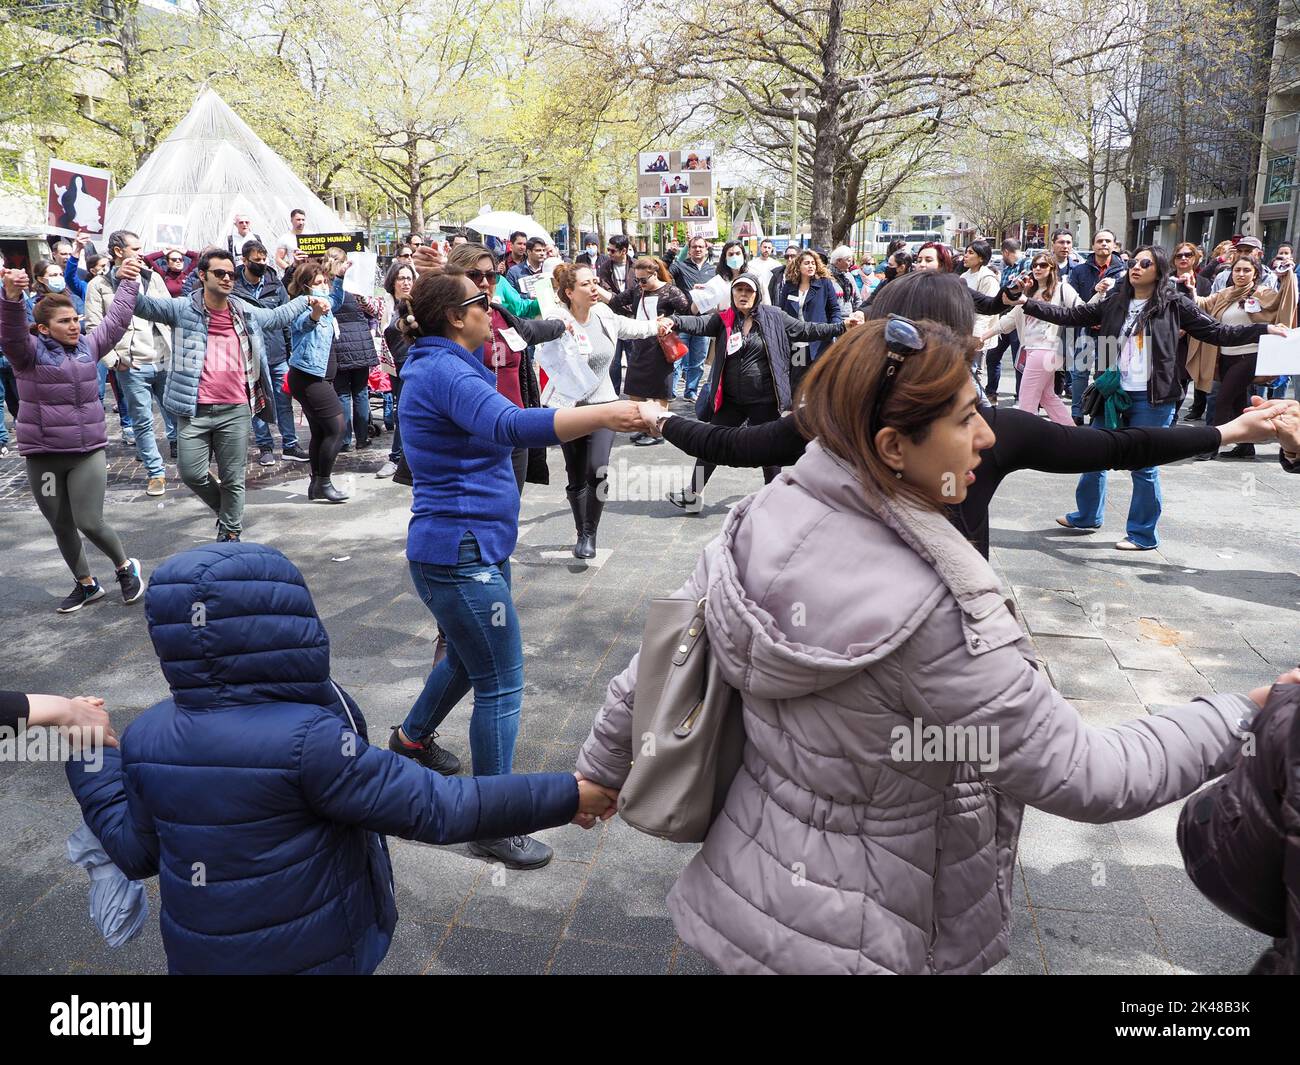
(1214, 609)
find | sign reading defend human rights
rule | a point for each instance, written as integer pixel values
(315, 244)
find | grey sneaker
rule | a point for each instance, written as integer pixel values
(267, 457)
(387, 470)
(516, 852)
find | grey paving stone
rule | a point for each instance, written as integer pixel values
(688, 962)
(1221, 949)
(1094, 943)
(625, 906)
(535, 902)
(490, 952)
(575, 958)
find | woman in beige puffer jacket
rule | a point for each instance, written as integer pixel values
(852, 616)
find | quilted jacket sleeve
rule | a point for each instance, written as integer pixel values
(116, 815)
(606, 755)
(959, 671)
(1233, 835)
(346, 780)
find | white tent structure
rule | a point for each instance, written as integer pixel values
(211, 166)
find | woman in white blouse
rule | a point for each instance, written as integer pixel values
(585, 353)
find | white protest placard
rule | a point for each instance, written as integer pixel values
(547, 301)
(1278, 355)
(169, 231)
(360, 278)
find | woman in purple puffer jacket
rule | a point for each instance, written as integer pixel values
(60, 424)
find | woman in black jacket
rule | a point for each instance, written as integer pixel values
(398, 283)
(1138, 328)
(649, 375)
(1024, 441)
(750, 381)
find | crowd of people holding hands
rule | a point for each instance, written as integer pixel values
(879, 401)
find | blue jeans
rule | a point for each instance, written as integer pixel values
(1085, 357)
(472, 604)
(1144, 509)
(691, 365)
(283, 413)
(123, 415)
(140, 386)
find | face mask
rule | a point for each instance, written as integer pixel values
(735, 261)
(56, 284)
(256, 269)
(591, 252)
(891, 272)
(321, 293)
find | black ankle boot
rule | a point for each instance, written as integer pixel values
(327, 493)
(313, 487)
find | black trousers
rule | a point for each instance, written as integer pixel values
(1236, 375)
(324, 413)
(732, 414)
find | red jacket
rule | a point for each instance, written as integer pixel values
(175, 282)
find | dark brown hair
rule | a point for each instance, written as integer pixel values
(1054, 277)
(302, 276)
(793, 267)
(39, 271)
(432, 296)
(50, 305)
(837, 395)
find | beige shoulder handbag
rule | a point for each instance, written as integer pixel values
(687, 728)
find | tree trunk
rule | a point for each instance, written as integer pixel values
(415, 189)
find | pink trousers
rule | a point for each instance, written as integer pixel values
(1036, 390)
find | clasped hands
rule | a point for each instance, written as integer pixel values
(595, 802)
(1278, 417)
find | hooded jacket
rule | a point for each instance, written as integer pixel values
(253, 793)
(841, 847)
(59, 409)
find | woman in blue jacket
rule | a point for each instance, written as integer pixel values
(253, 793)
(458, 433)
(808, 293)
(312, 368)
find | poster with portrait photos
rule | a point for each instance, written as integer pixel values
(675, 185)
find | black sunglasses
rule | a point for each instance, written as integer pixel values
(223, 275)
(479, 276)
(902, 338)
(481, 298)
(1142, 264)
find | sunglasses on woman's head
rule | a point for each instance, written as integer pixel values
(479, 276)
(902, 338)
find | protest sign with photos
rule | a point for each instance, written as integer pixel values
(76, 198)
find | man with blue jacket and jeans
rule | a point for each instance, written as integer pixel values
(253, 794)
(1102, 264)
(217, 380)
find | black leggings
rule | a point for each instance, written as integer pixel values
(585, 458)
(69, 489)
(320, 404)
(733, 414)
